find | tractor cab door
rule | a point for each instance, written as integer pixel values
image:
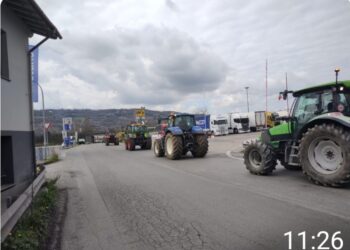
(307, 106)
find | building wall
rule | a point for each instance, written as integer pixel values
(16, 107)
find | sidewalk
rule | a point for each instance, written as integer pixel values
(88, 224)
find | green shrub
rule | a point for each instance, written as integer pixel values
(53, 158)
(32, 229)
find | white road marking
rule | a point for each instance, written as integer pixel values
(229, 155)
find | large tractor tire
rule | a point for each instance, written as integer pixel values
(157, 149)
(173, 147)
(200, 147)
(324, 153)
(259, 158)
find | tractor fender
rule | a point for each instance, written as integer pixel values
(333, 118)
(197, 130)
(175, 131)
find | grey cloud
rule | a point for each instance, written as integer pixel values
(170, 4)
(225, 51)
(142, 65)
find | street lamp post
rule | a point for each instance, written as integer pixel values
(246, 88)
(44, 122)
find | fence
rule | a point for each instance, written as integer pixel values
(43, 153)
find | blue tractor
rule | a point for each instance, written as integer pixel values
(179, 134)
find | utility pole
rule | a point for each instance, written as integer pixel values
(246, 88)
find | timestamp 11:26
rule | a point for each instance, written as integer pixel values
(325, 240)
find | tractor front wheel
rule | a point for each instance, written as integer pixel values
(259, 158)
(173, 147)
(324, 154)
(200, 148)
(157, 149)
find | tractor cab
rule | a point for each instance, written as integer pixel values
(184, 121)
(326, 101)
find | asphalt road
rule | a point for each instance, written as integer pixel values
(133, 200)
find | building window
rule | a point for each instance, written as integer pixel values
(4, 57)
(6, 160)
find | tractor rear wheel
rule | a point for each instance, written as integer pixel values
(324, 153)
(157, 149)
(259, 158)
(173, 147)
(200, 147)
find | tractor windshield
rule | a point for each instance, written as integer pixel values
(185, 122)
(139, 129)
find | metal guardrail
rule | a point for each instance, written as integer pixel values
(43, 153)
(10, 217)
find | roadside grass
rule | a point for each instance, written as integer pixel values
(31, 232)
(53, 158)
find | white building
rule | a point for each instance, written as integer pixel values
(19, 20)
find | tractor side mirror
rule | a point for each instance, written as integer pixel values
(285, 93)
(274, 117)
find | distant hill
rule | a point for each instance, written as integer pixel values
(97, 120)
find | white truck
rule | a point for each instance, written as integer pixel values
(251, 121)
(260, 119)
(219, 124)
(238, 122)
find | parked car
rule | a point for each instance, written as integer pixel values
(81, 141)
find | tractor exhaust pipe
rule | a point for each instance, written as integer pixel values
(336, 75)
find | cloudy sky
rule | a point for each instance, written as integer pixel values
(190, 55)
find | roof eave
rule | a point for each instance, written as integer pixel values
(32, 15)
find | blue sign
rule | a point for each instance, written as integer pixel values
(35, 72)
(203, 121)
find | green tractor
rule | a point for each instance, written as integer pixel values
(137, 135)
(314, 139)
